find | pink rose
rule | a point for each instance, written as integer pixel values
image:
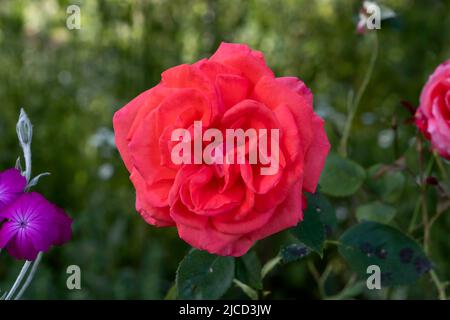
(433, 114)
(222, 208)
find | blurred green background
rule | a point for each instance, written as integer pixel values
(72, 81)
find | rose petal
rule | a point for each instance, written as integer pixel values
(315, 156)
(241, 57)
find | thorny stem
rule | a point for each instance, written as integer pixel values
(439, 285)
(423, 198)
(414, 216)
(426, 227)
(427, 223)
(421, 184)
(433, 219)
(354, 104)
(441, 166)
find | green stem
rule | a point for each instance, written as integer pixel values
(18, 281)
(354, 104)
(320, 278)
(441, 166)
(426, 228)
(172, 293)
(333, 242)
(30, 276)
(323, 279)
(422, 198)
(312, 268)
(415, 216)
(429, 168)
(425, 218)
(269, 266)
(439, 286)
(351, 289)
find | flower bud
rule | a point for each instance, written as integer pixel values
(24, 129)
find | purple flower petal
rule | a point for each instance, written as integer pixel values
(64, 227)
(33, 225)
(7, 232)
(22, 248)
(12, 184)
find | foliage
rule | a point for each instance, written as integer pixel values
(72, 81)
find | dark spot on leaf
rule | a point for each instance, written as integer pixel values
(366, 248)
(299, 251)
(381, 253)
(294, 252)
(406, 255)
(422, 265)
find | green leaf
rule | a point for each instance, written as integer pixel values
(201, 275)
(386, 184)
(376, 211)
(293, 252)
(400, 258)
(318, 202)
(311, 231)
(172, 293)
(248, 270)
(341, 177)
(249, 291)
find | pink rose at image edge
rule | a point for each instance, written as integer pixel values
(433, 114)
(223, 209)
(29, 224)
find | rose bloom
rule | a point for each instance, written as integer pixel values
(222, 208)
(433, 114)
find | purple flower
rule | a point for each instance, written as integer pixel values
(12, 184)
(33, 225)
